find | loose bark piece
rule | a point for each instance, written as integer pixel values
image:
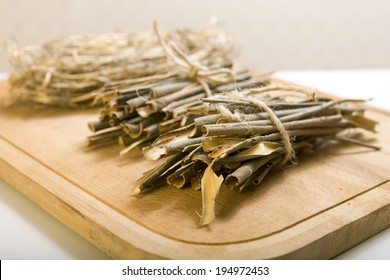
(210, 187)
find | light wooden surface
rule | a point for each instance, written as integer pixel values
(329, 202)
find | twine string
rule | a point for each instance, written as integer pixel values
(279, 125)
(226, 113)
(193, 69)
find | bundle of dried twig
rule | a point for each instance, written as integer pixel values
(242, 135)
(70, 71)
(139, 112)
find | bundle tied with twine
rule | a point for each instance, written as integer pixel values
(138, 110)
(241, 135)
(71, 71)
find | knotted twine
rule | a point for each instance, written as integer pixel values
(245, 96)
(193, 69)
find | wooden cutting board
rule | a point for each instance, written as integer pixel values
(332, 200)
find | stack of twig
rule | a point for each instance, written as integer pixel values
(238, 137)
(70, 71)
(139, 112)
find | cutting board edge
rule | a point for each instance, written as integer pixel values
(119, 245)
(86, 215)
(369, 212)
(325, 235)
(321, 248)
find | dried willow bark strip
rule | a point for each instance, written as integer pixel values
(168, 110)
(316, 109)
(177, 135)
(98, 125)
(103, 137)
(261, 173)
(158, 104)
(263, 118)
(181, 111)
(240, 84)
(181, 176)
(136, 128)
(170, 124)
(165, 101)
(146, 182)
(156, 152)
(125, 140)
(163, 90)
(361, 121)
(212, 143)
(151, 130)
(251, 82)
(197, 179)
(317, 132)
(210, 185)
(135, 143)
(241, 158)
(246, 170)
(251, 153)
(357, 142)
(247, 128)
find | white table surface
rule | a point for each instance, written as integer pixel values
(28, 232)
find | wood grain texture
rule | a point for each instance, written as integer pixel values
(332, 200)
